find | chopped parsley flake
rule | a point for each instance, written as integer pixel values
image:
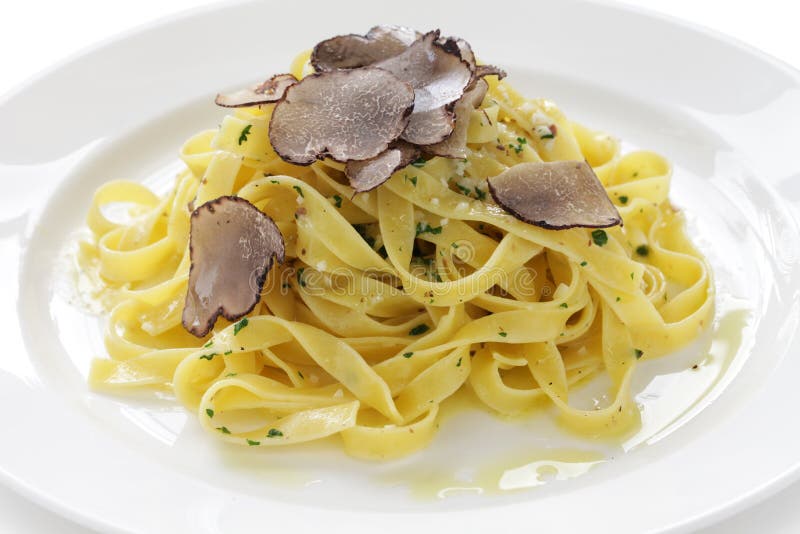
(413, 180)
(238, 326)
(419, 329)
(518, 147)
(253, 442)
(245, 133)
(274, 433)
(458, 363)
(208, 344)
(623, 199)
(208, 357)
(300, 277)
(299, 190)
(427, 228)
(228, 352)
(337, 201)
(408, 354)
(209, 412)
(563, 305)
(275, 181)
(223, 429)
(643, 250)
(584, 263)
(464, 190)
(600, 237)
(502, 334)
(419, 163)
(619, 299)
(300, 375)
(638, 353)
(547, 136)
(454, 245)
(480, 194)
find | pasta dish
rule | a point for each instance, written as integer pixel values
(385, 224)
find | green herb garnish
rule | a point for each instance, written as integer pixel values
(419, 329)
(253, 442)
(300, 277)
(337, 201)
(623, 199)
(238, 326)
(208, 357)
(638, 353)
(643, 250)
(299, 190)
(427, 228)
(600, 237)
(274, 433)
(408, 354)
(245, 133)
(223, 429)
(209, 412)
(419, 163)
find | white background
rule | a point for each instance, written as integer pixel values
(34, 34)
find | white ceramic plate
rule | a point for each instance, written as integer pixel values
(714, 439)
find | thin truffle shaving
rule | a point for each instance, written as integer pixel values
(353, 51)
(555, 195)
(232, 247)
(369, 174)
(345, 114)
(271, 90)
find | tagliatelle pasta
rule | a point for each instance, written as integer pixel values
(392, 300)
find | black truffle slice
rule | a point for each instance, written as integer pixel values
(430, 127)
(353, 51)
(438, 77)
(461, 47)
(457, 45)
(271, 90)
(369, 174)
(489, 70)
(556, 195)
(232, 246)
(455, 146)
(344, 114)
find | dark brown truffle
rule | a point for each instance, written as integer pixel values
(232, 247)
(489, 70)
(353, 51)
(455, 146)
(271, 90)
(557, 195)
(369, 174)
(344, 114)
(438, 77)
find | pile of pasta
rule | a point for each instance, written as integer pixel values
(390, 301)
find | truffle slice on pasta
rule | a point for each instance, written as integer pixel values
(343, 114)
(353, 51)
(268, 91)
(232, 247)
(439, 78)
(455, 146)
(555, 195)
(369, 174)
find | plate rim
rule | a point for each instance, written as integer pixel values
(725, 510)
